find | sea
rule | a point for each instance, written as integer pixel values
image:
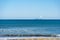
(29, 26)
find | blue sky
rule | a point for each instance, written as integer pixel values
(29, 9)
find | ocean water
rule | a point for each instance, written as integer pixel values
(29, 26)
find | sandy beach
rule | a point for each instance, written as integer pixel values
(29, 38)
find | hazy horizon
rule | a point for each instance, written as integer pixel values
(29, 9)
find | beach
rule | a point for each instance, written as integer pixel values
(29, 38)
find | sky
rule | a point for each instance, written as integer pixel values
(29, 9)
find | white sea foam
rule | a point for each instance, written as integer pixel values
(58, 35)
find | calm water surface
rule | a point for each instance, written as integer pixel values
(29, 26)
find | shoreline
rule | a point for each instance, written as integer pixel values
(29, 38)
(23, 35)
(30, 35)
